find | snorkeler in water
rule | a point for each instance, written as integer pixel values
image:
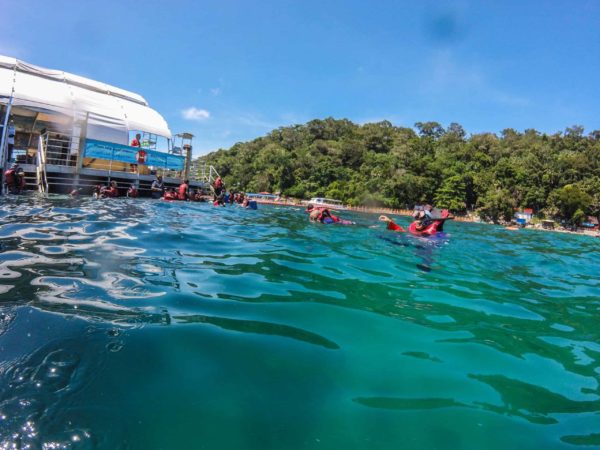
(323, 215)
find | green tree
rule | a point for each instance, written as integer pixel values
(451, 194)
(379, 163)
(570, 203)
(496, 205)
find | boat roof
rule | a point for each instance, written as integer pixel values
(329, 200)
(261, 194)
(107, 107)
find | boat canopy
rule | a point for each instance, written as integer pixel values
(111, 112)
(322, 200)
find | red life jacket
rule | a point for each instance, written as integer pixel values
(9, 176)
(140, 156)
(11, 179)
(170, 195)
(394, 227)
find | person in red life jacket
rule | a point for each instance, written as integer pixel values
(317, 213)
(14, 179)
(219, 199)
(424, 224)
(182, 193)
(132, 192)
(135, 142)
(170, 194)
(218, 187)
(391, 225)
(111, 191)
(422, 217)
(323, 215)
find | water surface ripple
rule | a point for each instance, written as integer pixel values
(147, 324)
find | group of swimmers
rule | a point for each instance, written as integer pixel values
(183, 193)
(14, 179)
(427, 221)
(221, 197)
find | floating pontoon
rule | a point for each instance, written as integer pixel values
(73, 132)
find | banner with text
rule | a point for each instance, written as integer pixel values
(132, 155)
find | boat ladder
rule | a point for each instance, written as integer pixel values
(40, 171)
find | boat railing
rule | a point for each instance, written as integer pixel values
(57, 149)
(204, 173)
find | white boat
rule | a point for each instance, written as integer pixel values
(73, 132)
(327, 202)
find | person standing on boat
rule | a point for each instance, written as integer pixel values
(158, 187)
(135, 142)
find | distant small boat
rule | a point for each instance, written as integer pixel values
(327, 202)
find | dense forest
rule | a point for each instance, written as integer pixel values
(556, 175)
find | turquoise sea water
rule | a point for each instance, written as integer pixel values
(141, 324)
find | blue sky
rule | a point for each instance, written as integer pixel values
(230, 71)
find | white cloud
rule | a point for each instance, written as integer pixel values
(215, 91)
(196, 114)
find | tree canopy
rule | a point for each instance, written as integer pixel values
(382, 164)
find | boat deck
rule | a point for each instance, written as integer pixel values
(63, 179)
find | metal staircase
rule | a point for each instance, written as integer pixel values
(40, 169)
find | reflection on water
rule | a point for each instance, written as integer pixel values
(161, 325)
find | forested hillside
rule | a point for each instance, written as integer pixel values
(557, 175)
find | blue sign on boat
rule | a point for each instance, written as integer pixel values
(132, 155)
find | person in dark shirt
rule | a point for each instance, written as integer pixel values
(158, 187)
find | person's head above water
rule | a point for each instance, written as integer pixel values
(418, 215)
